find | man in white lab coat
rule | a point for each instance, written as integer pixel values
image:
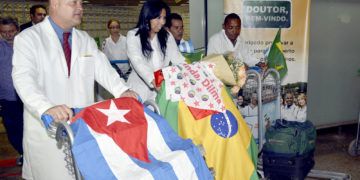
(228, 41)
(174, 24)
(50, 80)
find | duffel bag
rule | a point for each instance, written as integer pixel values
(290, 137)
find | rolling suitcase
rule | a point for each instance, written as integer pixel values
(288, 152)
(281, 166)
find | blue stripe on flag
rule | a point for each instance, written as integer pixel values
(158, 169)
(175, 142)
(84, 142)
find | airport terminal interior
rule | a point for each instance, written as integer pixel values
(332, 101)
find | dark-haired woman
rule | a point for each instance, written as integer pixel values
(150, 48)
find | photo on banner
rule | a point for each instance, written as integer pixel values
(277, 33)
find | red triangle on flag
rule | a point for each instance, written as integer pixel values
(123, 120)
(200, 113)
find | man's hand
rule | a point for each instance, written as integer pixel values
(130, 93)
(60, 113)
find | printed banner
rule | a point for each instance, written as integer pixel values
(266, 21)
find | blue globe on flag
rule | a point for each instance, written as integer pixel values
(224, 125)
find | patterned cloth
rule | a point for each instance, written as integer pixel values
(195, 84)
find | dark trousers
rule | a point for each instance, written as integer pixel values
(12, 115)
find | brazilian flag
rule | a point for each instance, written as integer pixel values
(276, 57)
(233, 157)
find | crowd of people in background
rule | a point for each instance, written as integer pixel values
(292, 106)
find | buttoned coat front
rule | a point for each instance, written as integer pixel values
(41, 79)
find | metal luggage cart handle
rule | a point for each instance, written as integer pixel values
(153, 105)
(64, 136)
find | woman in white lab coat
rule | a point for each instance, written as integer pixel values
(114, 47)
(150, 48)
(301, 108)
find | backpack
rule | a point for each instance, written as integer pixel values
(290, 137)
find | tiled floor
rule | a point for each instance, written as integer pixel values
(331, 153)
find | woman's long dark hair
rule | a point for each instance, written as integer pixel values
(151, 10)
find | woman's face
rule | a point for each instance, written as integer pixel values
(114, 28)
(301, 102)
(157, 23)
(240, 100)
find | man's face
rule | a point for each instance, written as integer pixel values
(68, 13)
(177, 29)
(8, 32)
(289, 99)
(232, 29)
(39, 15)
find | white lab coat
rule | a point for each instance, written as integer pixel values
(143, 69)
(116, 51)
(289, 113)
(301, 113)
(249, 111)
(41, 80)
(219, 43)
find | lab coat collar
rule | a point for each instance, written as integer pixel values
(55, 44)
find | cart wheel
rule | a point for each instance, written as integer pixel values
(353, 150)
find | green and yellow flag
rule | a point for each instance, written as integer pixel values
(276, 57)
(232, 158)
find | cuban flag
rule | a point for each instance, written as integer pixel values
(120, 139)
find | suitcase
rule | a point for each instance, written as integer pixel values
(284, 167)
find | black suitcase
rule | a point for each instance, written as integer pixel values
(283, 166)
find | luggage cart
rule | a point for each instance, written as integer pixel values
(354, 146)
(64, 137)
(267, 87)
(101, 93)
(123, 75)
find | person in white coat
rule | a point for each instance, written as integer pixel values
(114, 47)
(289, 111)
(150, 48)
(301, 108)
(49, 81)
(228, 40)
(174, 24)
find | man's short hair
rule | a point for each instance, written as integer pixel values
(172, 16)
(8, 21)
(231, 16)
(36, 6)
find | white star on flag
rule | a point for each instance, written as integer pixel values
(114, 114)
